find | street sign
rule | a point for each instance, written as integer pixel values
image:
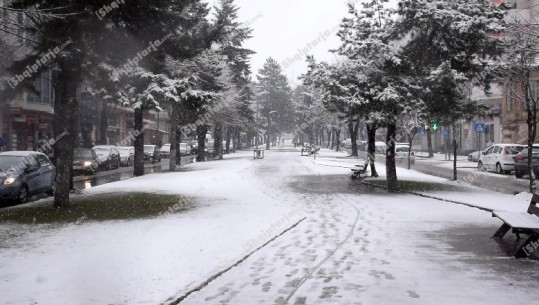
(445, 133)
(479, 127)
(422, 132)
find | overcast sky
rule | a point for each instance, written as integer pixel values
(288, 29)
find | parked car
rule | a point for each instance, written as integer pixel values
(85, 161)
(165, 151)
(347, 143)
(380, 147)
(127, 155)
(108, 156)
(185, 149)
(25, 173)
(209, 148)
(401, 153)
(152, 153)
(499, 157)
(474, 156)
(521, 162)
(194, 148)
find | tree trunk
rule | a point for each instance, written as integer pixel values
(410, 140)
(178, 141)
(218, 140)
(429, 139)
(371, 150)
(103, 125)
(337, 139)
(173, 137)
(238, 140)
(139, 143)
(353, 136)
(201, 136)
(228, 140)
(454, 143)
(391, 170)
(65, 109)
(330, 138)
(531, 108)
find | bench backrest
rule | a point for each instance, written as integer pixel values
(533, 208)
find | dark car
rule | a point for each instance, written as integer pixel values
(85, 161)
(108, 156)
(521, 162)
(152, 153)
(25, 173)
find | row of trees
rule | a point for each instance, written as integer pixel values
(181, 59)
(407, 66)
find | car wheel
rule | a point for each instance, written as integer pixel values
(499, 169)
(518, 174)
(480, 166)
(22, 195)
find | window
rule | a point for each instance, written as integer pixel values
(489, 151)
(43, 90)
(43, 161)
(534, 90)
(509, 98)
(496, 150)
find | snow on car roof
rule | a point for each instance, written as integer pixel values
(20, 153)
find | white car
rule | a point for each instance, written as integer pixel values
(165, 151)
(127, 155)
(401, 153)
(185, 149)
(474, 156)
(499, 157)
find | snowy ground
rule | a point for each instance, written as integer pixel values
(353, 244)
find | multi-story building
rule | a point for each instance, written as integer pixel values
(26, 113)
(513, 110)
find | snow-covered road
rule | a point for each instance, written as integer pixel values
(343, 243)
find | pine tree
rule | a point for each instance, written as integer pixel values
(277, 106)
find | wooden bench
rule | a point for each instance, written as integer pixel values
(521, 223)
(360, 170)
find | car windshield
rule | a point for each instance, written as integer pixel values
(83, 153)
(513, 150)
(7, 162)
(101, 151)
(402, 149)
(148, 148)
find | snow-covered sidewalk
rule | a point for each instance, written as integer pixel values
(351, 245)
(331, 162)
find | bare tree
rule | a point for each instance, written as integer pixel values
(517, 69)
